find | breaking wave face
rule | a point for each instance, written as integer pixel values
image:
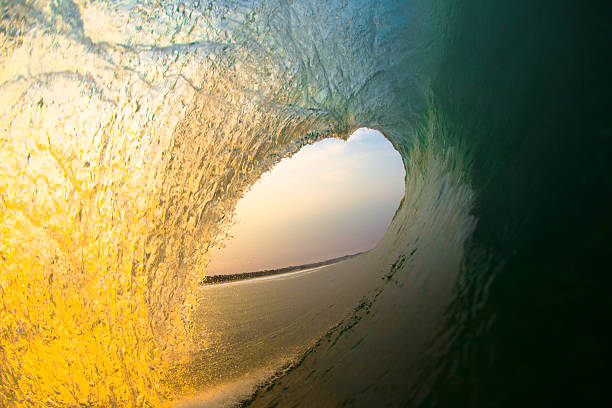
(129, 130)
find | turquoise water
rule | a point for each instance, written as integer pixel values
(131, 129)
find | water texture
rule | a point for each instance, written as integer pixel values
(130, 129)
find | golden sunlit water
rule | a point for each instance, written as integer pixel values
(119, 165)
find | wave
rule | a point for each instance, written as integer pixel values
(130, 130)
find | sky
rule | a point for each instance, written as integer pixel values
(330, 199)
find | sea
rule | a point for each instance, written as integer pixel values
(130, 129)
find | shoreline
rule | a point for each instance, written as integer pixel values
(216, 279)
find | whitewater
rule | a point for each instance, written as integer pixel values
(129, 130)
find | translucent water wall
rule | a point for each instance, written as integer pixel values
(129, 130)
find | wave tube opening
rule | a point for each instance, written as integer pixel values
(331, 199)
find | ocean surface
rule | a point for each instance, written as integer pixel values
(130, 129)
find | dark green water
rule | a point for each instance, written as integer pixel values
(531, 79)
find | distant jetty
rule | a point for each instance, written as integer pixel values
(215, 279)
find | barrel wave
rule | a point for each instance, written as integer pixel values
(129, 130)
